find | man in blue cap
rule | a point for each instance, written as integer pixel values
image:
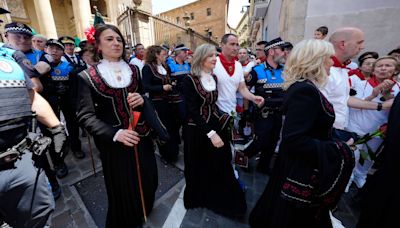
(56, 90)
(19, 37)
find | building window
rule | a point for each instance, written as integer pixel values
(208, 11)
(177, 20)
(191, 16)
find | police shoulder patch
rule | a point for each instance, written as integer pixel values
(27, 63)
(5, 67)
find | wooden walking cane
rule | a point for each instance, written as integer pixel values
(91, 152)
(132, 125)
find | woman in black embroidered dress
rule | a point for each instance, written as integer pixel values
(312, 169)
(107, 92)
(210, 181)
(156, 82)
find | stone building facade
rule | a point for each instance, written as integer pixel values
(55, 18)
(206, 17)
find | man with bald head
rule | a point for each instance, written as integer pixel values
(347, 42)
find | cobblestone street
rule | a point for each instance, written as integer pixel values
(84, 203)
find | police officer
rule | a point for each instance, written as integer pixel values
(69, 48)
(180, 68)
(78, 65)
(268, 81)
(169, 57)
(18, 179)
(56, 85)
(19, 37)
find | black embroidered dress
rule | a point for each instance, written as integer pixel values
(103, 110)
(166, 104)
(210, 181)
(312, 169)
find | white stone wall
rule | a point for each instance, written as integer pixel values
(378, 19)
(294, 20)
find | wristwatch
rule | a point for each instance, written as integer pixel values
(379, 107)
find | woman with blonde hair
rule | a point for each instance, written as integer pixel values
(312, 169)
(208, 170)
(380, 87)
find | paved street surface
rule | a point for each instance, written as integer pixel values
(84, 202)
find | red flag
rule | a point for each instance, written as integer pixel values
(134, 120)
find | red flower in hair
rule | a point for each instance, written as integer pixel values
(89, 33)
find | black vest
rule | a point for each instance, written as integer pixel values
(15, 102)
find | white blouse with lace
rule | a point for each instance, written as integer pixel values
(116, 74)
(207, 81)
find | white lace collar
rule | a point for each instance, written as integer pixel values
(116, 74)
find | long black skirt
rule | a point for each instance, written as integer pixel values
(210, 180)
(273, 211)
(121, 179)
(169, 115)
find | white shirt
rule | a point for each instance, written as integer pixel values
(72, 57)
(364, 121)
(227, 86)
(207, 81)
(249, 66)
(139, 63)
(161, 70)
(352, 65)
(337, 91)
(116, 74)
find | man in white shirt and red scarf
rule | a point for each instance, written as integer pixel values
(138, 60)
(230, 77)
(348, 42)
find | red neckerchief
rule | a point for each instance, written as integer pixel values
(229, 66)
(337, 63)
(245, 64)
(373, 81)
(139, 57)
(358, 73)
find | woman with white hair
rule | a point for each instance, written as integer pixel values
(312, 169)
(210, 180)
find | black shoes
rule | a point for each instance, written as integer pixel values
(56, 191)
(79, 154)
(61, 170)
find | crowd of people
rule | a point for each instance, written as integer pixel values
(303, 110)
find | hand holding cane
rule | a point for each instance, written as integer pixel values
(132, 125)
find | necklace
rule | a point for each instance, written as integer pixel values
(118, 74)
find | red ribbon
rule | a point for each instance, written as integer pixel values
(89, 33)
(134, 120)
